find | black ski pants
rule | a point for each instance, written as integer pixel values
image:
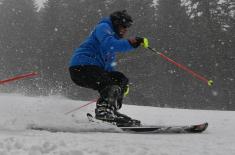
(94, 77)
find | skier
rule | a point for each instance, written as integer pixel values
(92, 65)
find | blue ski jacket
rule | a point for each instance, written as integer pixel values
(100, 47)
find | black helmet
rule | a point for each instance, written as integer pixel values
(121, 18)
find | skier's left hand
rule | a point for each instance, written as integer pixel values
(137, 41)
(145, 43)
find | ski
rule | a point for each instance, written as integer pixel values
(112, 127)
(198, 128)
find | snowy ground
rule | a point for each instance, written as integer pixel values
(18, 112)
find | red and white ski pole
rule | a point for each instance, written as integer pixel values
(198, 76)
(18, 77)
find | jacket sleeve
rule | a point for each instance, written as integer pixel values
(106, 37)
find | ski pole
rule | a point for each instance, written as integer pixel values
(90, 102)
(198, 76)
(22, 76)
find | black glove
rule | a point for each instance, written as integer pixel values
(136, 42)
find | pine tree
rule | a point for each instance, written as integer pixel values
(18, 27)
(65, 24)
(50, 45)
(213, 22)
(173, 25)
(174, 37)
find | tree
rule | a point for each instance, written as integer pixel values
(174, 37)
(18, 27)
(64, 25)
(173, 25)
(213, 24)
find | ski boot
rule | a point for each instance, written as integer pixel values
(104, 111)
(107, 105)
(126, 121)
(109, 114)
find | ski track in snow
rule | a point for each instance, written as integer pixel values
(18, 112)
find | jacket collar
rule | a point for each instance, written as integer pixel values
(109, 22)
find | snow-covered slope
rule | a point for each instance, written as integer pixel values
(18, 112)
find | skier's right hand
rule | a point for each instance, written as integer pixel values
(137, 41)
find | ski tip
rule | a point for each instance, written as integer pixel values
(206, 124)
(200, 128)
